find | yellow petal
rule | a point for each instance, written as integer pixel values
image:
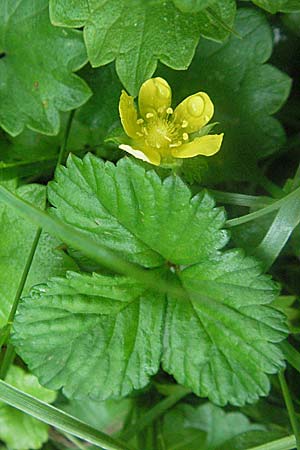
(128, 115)
(154, 97)
(205, 145)
(150, 156)
(194, 112)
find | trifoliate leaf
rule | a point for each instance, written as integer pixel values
(146, 220)
(37, 80)
(228, 317)
(137, 33)
(104, 336)
(206, 427)
(274, 6)
(19, 430)
(101, 336)
(17, 236)
(245, 93)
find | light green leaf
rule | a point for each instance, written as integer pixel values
(192, 6)
(37, 80)
(228, 317)
(17, 236)
(137, 33)
(104, 336)
(245, 93)
(167, 224)
(18, 430)
(274, 6)
(100, 336)
(206, 427)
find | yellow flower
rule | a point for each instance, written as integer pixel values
(159, 134)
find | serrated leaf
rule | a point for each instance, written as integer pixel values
(17, 236)
(101, 336)
(133, 212)
(104, 336)
(274, 6)
(245, 93)
(37, 80)
(137, 33)
(18, 430)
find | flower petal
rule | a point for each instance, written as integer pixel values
(154, 97)
(151, 157)
(128, 115)
(205, 145)
(194, 112)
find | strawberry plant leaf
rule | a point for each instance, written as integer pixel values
(137, 33)
(18, 430)
(245, 92)
(101, 336)
(17, 236)
(192, 6)
(104, 336)
(37, 80)
(105, 207)
(274, 6)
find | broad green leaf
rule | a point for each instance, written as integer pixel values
(137, 33)
(37, 80)
(192, 6)
(18, 430)
(100, 336)
(101, 339)
(245, 93)
(228, 317)
(274, 6)
(17, 236)
(167, 224)
(206, 427)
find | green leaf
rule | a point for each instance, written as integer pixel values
(245, 93)
(101, 336)
(137, 33)
(222, 308)
(228, 317)
(274, 6)
(105, 207)
(206, 427)
(17, 236)
(37, 80)
(192, 6)
(18, 430)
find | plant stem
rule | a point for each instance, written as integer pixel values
(158, 410)
(262, 212)
(63, 147)
(290, 407)
(286, 443)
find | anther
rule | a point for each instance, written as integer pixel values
(184, 124)
(149, 115)
(185, 136)
(167, 138)
(140, 121)
(177, 144)
(139, 134)
(170, 111)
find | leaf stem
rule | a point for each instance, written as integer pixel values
(286, 443)
(290, 407)
(262, 212)
(63, 147)
(154, 413)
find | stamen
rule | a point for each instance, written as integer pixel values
(177, 144)
(161, 110)
(145, 131)
(184, 124)
(185, 136)
(140, 121)
(149, 115)
(139, 134)
(170, 111)
(167, 138)
(157, 145)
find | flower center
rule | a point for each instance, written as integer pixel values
(160, 131)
